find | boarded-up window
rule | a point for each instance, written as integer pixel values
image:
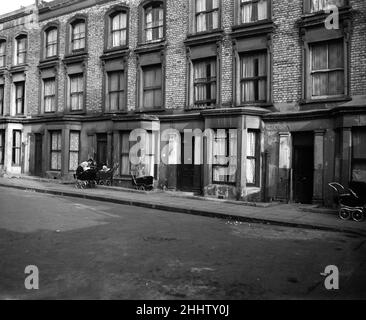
(76, 92)
(2, 53)
(207, 15)
(204, 82)
(359, 155)
(318, 5)
(49, 99)
(116, 90)
(327, 69)
(2, 146)
(152, 87)
(225, 157)
(154, 22)
(253, 10)
(74, 150)
(56, 150)
(51, 42)
(118, 29)
(21, 49)
(19, 97)
(253, 77)
(17, 147)
(78, 35)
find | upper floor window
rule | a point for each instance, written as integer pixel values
(1, 100)
(152, 87)
(327, 71)
(2, 53)
(207, 15)
(21, 49)
(118, 30)
(205, 82)
(49, 94)
(253, 77)
(253, 10)
(76, 92)
(78, 35)
(319, 5)
(116, 90)
(2, 146)
(51, 42)
(154, 22)
(19, 97)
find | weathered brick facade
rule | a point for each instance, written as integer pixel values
(286, 37)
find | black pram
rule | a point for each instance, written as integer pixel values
(85, 179)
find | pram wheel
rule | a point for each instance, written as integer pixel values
(344, 214)
(142, 188)
(358, 215)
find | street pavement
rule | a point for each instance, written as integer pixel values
(276, 214)
(88, 249)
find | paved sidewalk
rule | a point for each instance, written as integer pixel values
(280, 214)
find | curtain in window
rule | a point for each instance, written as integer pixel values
(220, 156)
(51, 43)
(201, 15)
(215, 14)
(254, 78)
(205, 82)
(119, 25)
(246, 11)
(49, 95)
(21, 49)
(318, 5)
(2, 53)
(74, 150)
(152, 87)
(251, 157)
(233, 161)
(19, 97)
(78, 31)
(56, 151)
(17, 143)
(76, 92)
(125, 154)
(116, 90)
(154, 23)
(327, 62)
(262, 9)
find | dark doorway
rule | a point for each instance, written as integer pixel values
(102, 151)
(303, 167)
(38, 154)
(189, 174)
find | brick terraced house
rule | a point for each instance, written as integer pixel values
(283, 94)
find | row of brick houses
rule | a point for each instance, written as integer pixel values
(284, 95)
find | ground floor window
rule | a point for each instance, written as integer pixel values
(74, 150)
(17, 147)
(2, 146)
(145, 155)
(359, 155)
(125, 166)
(252, 164)
(56, 150)
(224, 156)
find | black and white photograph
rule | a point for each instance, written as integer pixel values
(198, 152)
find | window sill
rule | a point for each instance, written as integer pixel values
(49, 60)
(147, 46)
(253, 28)
(115, 49)
(115, 112)
(325, 100)
(19, 67)
(244, 25)
(142, 110)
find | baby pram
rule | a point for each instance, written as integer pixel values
(85, 179)
(106, 177)
(352, 201)
(143, 183)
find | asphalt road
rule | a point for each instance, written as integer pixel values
(93, 250)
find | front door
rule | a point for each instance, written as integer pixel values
(303, 169)
(101, 158)
(189, 174)
(38, 155)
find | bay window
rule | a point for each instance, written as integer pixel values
(2, 146)
(74, 150)
(55, 152)
(17, 147)
(359, 155)
(224, 157)
(252, 164)
(125, 165)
